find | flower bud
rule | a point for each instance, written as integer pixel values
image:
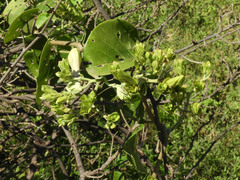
(74, 60)
(173, 82)
(158, 55)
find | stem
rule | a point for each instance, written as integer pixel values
(162, 132)
(67, 43)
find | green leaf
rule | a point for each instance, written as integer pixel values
(195, 107)
(151, 178)
(42, 19)
(31, 61)
(64, 74)
(44, 71)
(118, 175)
(49, 93)
(43, 7)
(15, 28)
(130, 147)
(121, 75)
(178, 67)
(111, 119)
(112, 40)
(74, 2)
(134, 107)
(87, 103)
(14, 9)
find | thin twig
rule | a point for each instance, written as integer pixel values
(174, 14)
(216, 35)
(194, 137)
(103, 167)
(129, 128)
(76, 153)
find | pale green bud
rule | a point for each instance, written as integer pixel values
(169, 54)
(147, 55)
(158, 55)
(161, 87)
(173, 82)
(74, 87)
(74, 60)
(139, 51)
(139, 48)
(155, 65)
(195, 108)
(178, 66)
(198, 85)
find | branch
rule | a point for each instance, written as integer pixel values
(216, 35)
(191, 144)
(67, 43)
(32, 166)
(136, 8)
(101, 9)
(230, 80)
(60, 163)
(163, 135)
(103, 167)
(76, 153)
(162, 132)
(158, 30)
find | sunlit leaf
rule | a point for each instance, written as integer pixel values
(118, 175)
(42, 19)
(112, 40)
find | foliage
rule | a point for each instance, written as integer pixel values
(119, 89)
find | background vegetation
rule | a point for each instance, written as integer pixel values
(202, 143)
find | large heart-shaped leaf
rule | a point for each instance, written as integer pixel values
(15, 28)
(112, 40)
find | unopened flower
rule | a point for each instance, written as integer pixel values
(74, 60)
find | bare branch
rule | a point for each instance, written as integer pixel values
(76, 153)
(101, 9)
(159, 30)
